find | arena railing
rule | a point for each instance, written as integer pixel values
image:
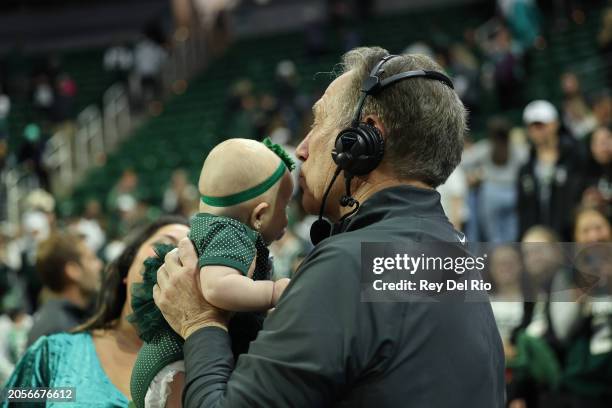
(69, 154)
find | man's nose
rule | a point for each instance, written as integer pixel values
(301, 151)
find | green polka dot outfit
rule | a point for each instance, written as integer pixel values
(218, 241)
(225, 241)
(162, 350)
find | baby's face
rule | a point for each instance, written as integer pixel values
(274, 226)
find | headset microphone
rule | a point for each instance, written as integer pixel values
(321, 228)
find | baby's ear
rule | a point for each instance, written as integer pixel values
(259, 215)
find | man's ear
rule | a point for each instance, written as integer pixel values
(73, 271)
(375, 121)
(258, 215)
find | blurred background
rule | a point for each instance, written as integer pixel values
(108, 109)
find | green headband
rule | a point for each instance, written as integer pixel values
(233, 199)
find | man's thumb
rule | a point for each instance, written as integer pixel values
(187, 254)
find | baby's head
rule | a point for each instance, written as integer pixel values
(246, 180)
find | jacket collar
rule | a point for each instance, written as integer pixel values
(394, 202)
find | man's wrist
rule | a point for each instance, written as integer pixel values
(188, 330)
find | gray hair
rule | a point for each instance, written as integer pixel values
(425, 121)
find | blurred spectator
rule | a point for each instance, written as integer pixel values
(453, 194)
(493, 164)
(542, 258)
(91, 226)
(90, 231)
(6, 364)
(70, 271)
(5, 109)
(287, 94)
(239, 89)
(591, 226)
(37, 224)
(549, 183)
(531, 356)
(14, 325)
(180, 197)
(508, 71)
(244, 117)
(118, 60)
(506, 269)
(523, 18)
(149, 57)
(604, 39)
(576, 114)
(466, 76)
(128, 205)
(31, 152)
(508, 299)
(126, 190)
(43, 97)
(583, 328)
(602, 108)
(66, 93)
(597, 188)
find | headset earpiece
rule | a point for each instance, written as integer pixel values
(359, 150)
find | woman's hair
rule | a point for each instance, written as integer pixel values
(548, 234)
(113, 292)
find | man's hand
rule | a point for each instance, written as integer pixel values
(178, 294)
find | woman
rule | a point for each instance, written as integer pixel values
(97, 359)
(493, 165)
(591, 226)
(597, 185)
(586, 332)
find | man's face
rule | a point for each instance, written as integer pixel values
(315, 151)
(91, 269)
(540, 133)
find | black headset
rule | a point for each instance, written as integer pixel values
(360, 148)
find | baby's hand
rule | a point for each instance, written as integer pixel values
(279, 287)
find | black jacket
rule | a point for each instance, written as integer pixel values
(323, 346)
(56, 316)
(564, 195)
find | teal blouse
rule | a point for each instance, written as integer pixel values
(66, 360)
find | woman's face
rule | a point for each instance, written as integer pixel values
(168, 234)
(505, 266)
(601, 146)
(591, 227)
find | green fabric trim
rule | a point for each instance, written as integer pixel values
(280, 152)
(247, 194)
(219, 260)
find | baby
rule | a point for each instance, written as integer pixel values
(245, 186)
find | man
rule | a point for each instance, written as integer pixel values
(323, 346)
(549, 183)
(70, 272)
